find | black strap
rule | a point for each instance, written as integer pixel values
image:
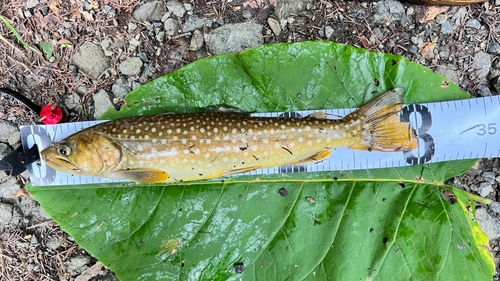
(15, 163)
(33, 107)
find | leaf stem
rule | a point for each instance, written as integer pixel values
(478, 198)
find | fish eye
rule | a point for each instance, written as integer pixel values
(64, 150)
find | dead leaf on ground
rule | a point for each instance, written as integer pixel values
(93, 5)
(22, 192)
(432, 12)
(365, 42)
(63, 41)
(90, 273)
(53, 6)
(428, 50)
(88, 16)
(76, 14)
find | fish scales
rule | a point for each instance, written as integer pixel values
(186, 147)
(197, 146)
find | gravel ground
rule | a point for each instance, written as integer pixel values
(103, 49)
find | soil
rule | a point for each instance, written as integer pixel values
(458, 42)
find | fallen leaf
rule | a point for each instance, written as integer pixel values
(94, 4)
(63, 41)
(90, 273)
(22, 192)
(88, 16)
(432, 12)
(428, 50)
(76, 14)
(53, 6)
(365, 42)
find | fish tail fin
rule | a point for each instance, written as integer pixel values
(383, 129)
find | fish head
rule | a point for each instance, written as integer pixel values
(86, 154)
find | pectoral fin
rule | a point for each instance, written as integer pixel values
(142, 175)
(318, 157)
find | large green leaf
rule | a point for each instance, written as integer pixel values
(385, 224)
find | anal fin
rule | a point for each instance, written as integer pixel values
(318, 157)
(143, 175)
(240, 170)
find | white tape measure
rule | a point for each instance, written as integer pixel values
(453, 130)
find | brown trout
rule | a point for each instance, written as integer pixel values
(187, 147)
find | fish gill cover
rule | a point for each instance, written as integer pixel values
(384, 224)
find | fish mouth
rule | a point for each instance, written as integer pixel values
(60, 163)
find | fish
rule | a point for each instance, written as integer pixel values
(187, 147)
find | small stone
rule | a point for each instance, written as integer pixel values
(27, 14)
(485, 189)
(493, 47)
(188, 6)
(72, 101)
(91, 60)
(440, 19)
(9, 214)
(247, 14)
(106, 43)
(131, 66)
(102, 103)
(196, 41)
(488, 224)
(53, 243)
(132, 26)
(31, 3)
(413, 49)
(143, 56)
(449, 72)
(120, 89)
(10, 133)
(176, 8)
(446, 28)
(77, 264)
(194, 22)
(165, 16)
(473, 23)
(151, 11)
(328, 31)
(275, 26)
(284, 8)
(234, 38)
(483, 91)
(160, 37)
(482, 64)
(171, 26)
(378, 33)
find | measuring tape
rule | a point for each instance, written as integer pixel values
(452, 130)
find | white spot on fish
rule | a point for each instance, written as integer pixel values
(169, 131)
(265, 141)
(209, 141)
(178, 130)
(283, 126)
(277, 145)
(225, 159)
(163, 141)
(138, 131)
(146, 137)
(254, 148)
(194, 138)
(140, 147)
(233, 131)
(125, 131)
(202, 130)
(192, 128)
(160, 134)
(153, 130)
(318, 140)
(283, 137)
(184, 161)
(132, 137)
(153, 150)
(216, 130)
(184, 141)
(207, 155)
(162, 161)
(301, 139)
(310, 143)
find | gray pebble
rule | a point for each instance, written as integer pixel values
(143, 56)
(131, 66)
(10, 134)
(102, 103)
(176, 8)
(31, 3)
(482, 64)
(132, 26)
(247, 14)
(196, 41)
(72, 101)
(275, 26)
(77, 264)
(151, 11)
(473, 23)
(328, 31)
(53, 243)
(193, 23)
(234, 38)
(120, 89)
(449, 72)
(483, 91)
(171, 26)
(378, 33)
(440, 19)
(446, 28)
(488, 224)
(9, 214)
(493, 47)
(91, 60)
(413, 49)
(284, 8)
(485, 189)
